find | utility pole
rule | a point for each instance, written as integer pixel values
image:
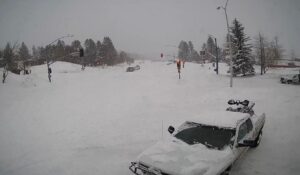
(49, 69)
(211, 50)
(229, 40)
(217, 59)
(5, 73)
(262, 55)
(81, 54)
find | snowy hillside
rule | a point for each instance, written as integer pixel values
(98, 120)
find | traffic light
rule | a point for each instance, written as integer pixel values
(81, 52)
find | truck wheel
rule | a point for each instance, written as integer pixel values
(226, 172)
(289, 82)
(257, 140)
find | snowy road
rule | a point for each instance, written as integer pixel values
(97, 121)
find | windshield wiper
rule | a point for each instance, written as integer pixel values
(209, 145)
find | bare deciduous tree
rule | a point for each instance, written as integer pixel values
(260, 43)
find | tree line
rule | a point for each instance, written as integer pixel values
(186, 52)
(17, 57)
(244, 53)
(267, 52)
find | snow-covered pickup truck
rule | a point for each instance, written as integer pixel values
(208, 145)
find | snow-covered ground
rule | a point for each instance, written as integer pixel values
(98, 120)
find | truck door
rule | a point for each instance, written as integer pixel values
(244, 132)
(295, 79)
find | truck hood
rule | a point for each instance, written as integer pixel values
(176, 157)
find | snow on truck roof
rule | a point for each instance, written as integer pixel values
(225, 119)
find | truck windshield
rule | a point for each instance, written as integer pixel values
(210, 136)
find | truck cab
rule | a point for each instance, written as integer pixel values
(206, 145)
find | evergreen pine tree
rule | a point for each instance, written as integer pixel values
(203, 47)
(76, 45)
(24, 55)
(8, 55)
(241, 50)
(190, 51)
(59, 50)
(8, 59)
(90, 50)
(211, 48)
(183, 50)
(43, 53)
(108, 51)
(35, 53)
(211, 45)
(98, 45)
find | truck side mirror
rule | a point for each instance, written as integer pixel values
(245, 102)
(246, 143)
(231, 102)
(171, 129)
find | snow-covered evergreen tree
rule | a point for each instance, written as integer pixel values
(90, 51)
(211, 45)
(183, 50)
(24, 55)
(75, 45)
(35, 53)
(98, 45)
(191, 51)
(8, 54)
(241, 50)
(186, 52)
(59, 50)
(108, 51)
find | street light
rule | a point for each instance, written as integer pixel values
(229, 39)
(47, 60)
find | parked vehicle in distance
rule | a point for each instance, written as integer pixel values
(131, 69)
(208, 145)
(137, 67)
(290, 79)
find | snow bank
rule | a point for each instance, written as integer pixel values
(98, 120)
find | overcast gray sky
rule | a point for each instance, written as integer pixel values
(146, 26)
